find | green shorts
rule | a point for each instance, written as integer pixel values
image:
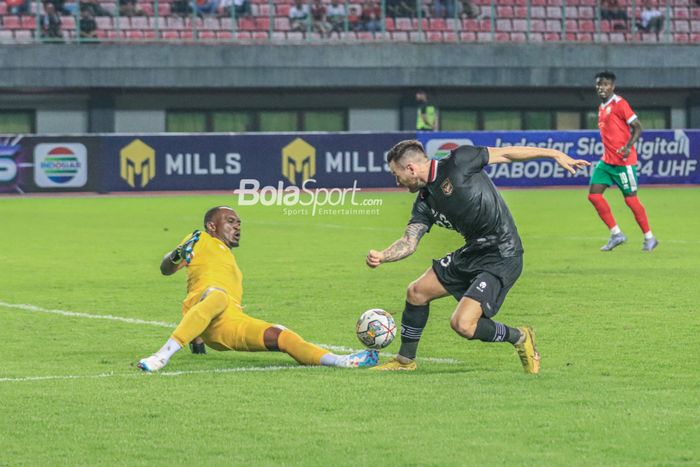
(624, 176)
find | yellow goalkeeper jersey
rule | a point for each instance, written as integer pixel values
(213, 265)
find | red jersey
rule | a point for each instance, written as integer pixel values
(614, 118)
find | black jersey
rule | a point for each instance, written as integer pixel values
(460, 196)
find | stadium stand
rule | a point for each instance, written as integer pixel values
(499, 21)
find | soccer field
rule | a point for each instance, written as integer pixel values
(618, 333)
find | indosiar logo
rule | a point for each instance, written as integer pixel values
(58, 165)
(298, 159)
(137, 159)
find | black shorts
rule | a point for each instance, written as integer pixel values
(485, 276)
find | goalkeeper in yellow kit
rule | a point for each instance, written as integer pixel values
(212, 309)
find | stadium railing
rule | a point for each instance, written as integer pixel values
(438, 21)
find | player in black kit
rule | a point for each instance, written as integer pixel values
(456, 193)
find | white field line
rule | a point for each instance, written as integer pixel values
(159, 374)
(163, 324)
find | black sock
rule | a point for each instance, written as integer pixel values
(413, 322)
(488, 330)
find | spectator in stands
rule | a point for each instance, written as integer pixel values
(129, 8)
(426, 113)
(59, 6)
(651, 18)
(400, 8)
(50, 23)
(299, 16)
(443, 8)
(88, 26)
(205, 7)
(336, 16)
(94, 7)
(241, 8)
(18, 7)
(320, 20)
(467, 10)
(611, 10)
(181, 8)
(370, 18)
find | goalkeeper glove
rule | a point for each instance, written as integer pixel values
(184, 251)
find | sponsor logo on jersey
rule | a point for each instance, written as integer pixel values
(59, 165)
(298, 161)
(137, 162)
(447, 187)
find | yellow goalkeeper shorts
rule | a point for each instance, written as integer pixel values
(233, 330)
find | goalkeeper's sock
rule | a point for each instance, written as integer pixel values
(304, 352)
(168, 350)
(199, 316)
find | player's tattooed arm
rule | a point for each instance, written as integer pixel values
(400, 249)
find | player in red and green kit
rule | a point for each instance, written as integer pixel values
(619, 129)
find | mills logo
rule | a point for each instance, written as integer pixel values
(60, 165)
(137, 158)
(298, 161)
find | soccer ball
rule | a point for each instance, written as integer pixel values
(376, 328)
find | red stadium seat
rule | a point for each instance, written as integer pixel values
(520, 25)
(471, 25)
(207, 35)
(586, 25)
(389, 24)
(538, 12)
(224, 35)
(246, 24)
(282, 24)
(518, 37)
(554, 12)
(139, 22)
(484, 36)
(695, 38)
(163, 9)
(536, 37)
(437, 24)
(467, 36)
(448, 36)
(695, 26)
(586, 12)
(681, 26)
(399, 36)
(23, 36)
(503, 25)
(12, 22)
(681, 13)
(537, 25)
(68, 23)
(134, 35)
(553, 25)
(681, 38)
(504, 12)
(211, 24)
(404, 24)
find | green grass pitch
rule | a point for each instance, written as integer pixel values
(618, 332)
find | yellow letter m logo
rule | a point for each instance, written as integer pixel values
(137, 158)
(298, 158)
